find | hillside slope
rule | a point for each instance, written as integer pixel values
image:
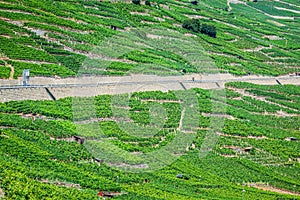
(257, 150)
(177, 142)
(55, 37)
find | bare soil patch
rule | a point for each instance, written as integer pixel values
(164, 6)
(255, 49)
(161, 101)
(268, 187)
(2, 194)
(115, 119)
(58, 183)
(285, 9)
(12, 72)
(137, 166)
(272, 37)
(235, 1)
(218, 115)
(275, 23)
(159, 19)
(139, 13)
(244, 137)
(196, 17)
(147, 22)
(190, 35)
(152, 36)
(35, 116)
(17, 11)
(228, 156)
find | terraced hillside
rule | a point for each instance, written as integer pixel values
(256, 154)
(54, 38)
(177, 142)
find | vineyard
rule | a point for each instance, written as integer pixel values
(177, 142)
(57, 39)
(257, 148)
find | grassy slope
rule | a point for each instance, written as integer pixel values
(68, 30)
(28, 155)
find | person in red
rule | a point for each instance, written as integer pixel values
(100, 194)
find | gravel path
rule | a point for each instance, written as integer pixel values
(12, 72)
(267, 187)
(91, 86)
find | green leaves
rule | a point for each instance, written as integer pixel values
(195, 26)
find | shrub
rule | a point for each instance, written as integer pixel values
(192, 24)
(4, 72)
(137, 2)
(195, 26)
(148, 3)
(194, 2)
(209, 30)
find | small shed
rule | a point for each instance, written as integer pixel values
(25, 77)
